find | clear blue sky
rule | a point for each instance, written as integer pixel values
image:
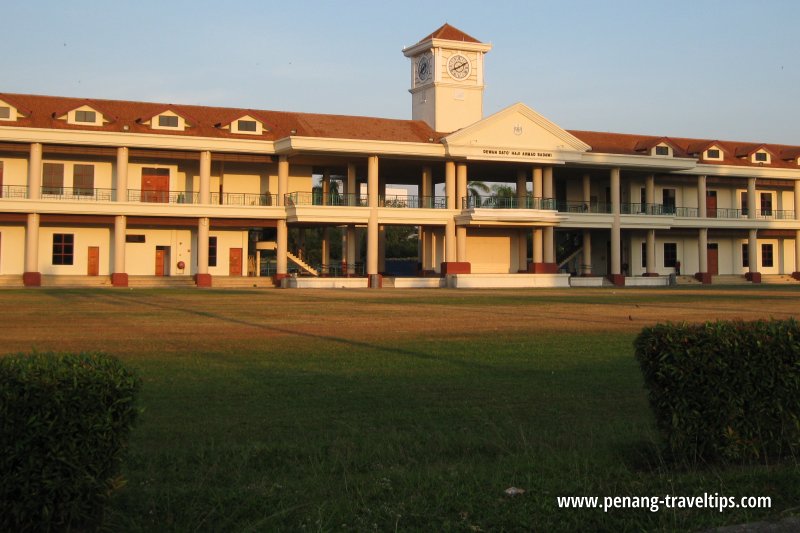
(710, 69)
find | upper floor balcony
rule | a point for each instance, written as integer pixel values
(336, 199)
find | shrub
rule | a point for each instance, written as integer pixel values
(724, 391)
(64, 423)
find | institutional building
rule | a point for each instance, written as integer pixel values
(114, 191)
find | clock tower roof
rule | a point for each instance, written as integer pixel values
(449, 33)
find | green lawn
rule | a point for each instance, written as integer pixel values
(320, 411)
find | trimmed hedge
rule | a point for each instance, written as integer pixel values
(724, 391)
(64, 423)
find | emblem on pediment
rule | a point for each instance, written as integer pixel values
(517, 129)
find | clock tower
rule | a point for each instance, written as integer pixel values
(447, 79)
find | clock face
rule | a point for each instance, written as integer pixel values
(458, 66)
(424, 68)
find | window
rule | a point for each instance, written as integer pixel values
(83, 180)
(745, 256)
(86, 116)
(53, 178)
(5, 112)
(766, 255)
(63, 248)
(167, 121)
(644, 255)
(212, 251)
(662, 150)
(761, 157)
(670, 254)
(247, 125)
(766, 204)
(743, 197)
(713, 154)
(134, 238)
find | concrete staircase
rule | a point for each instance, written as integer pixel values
(688, 280)
(778, 279)
(11, 281)
(272, 245)
(241, 282)
(76, 281)
(302, 264)
(160, 281)
(734, 279)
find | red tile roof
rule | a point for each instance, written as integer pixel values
(203, 120)
(449, 33)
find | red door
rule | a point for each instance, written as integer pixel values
(235, 262)
(713, 259)
(93, 261)
(711, 204)
(161, 256)
(155, 185)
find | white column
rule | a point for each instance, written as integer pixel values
(751, 198)
(282, 230)
(372, 225)
(450, 228)
(351, 249)
(205, 177)
(549, 232)
(586, 267)
(587, 190)
(32, 243)
(797, 233)
(702, 249)
(461, 194)
(120, 226)
(702, 210)
(650, 193)
(427, 187)
(538, 234)
(202, 245)
(650, 252)
(752, 250)
(522, 235)
(121, 193)
(35, 173)
(616, 234)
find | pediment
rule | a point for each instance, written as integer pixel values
(515, 133)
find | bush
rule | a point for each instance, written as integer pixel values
(64, 423)
(724, 391)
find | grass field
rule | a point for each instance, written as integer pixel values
(395, 410)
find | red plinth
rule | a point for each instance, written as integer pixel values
(276, 279)
(796, 275)
(202, 280)
(119, 279)
(753, 277)
(32, 279)
(703, 277)
(650, 275)
(617, 279)
(456, 268)
(543, 268)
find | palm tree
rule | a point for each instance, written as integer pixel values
(476, 189)
(334, 197)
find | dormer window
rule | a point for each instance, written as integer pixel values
(244, 125)
(662, 150)
(713, 154)
(761, 157)
(10, 113)
(85, 116)
(167, 121)
(5, 113)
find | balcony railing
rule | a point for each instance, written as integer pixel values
(78, 193)
(508, 202)
(163, 197)
(411, 201)
(332, 199)
(244, 199)
(13, 191)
